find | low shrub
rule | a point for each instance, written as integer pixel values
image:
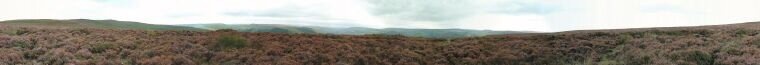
(22, 44)
(698, 57)
(640, 60)
(744, 32)
(80, 31)
(610, 62)
(152, 33)
(226, 30)
(102, 47)
(15, 32)
(230, 42)
(600, 34)
(385, 35)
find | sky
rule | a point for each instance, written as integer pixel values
(502, 15)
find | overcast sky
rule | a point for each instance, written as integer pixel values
(520, 15)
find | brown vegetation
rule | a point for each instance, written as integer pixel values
(666, 46)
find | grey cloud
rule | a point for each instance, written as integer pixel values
(661, 8)
(423, 10)
(296, 15)
(116, 3)
(517, 7)
(290, 11)
(313, 22)
(182, 15)
(448, 10)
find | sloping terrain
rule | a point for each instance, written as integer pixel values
(255, 28)
(100, 24)
(425, 33)
(734, 44)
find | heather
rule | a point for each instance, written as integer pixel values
(714, 45)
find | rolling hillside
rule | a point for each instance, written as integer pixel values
(277, 28)
(100, 24)
(425, 33)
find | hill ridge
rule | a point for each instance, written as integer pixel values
(87, 23)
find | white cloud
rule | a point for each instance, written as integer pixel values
(211, 11)
(612, 14)
(504, 22)
(532, 15)
(43, 9)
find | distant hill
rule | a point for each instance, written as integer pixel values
(426, 33)
(86, 23)
(255, 28)
(276, 28)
